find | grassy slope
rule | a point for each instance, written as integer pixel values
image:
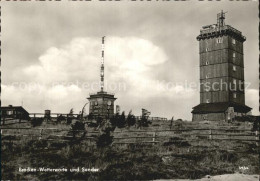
(174, 160)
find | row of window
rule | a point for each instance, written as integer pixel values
(233, 55)
(234, 69)
(96, 103)
(234, 96)
(234, 81)
(220, 40)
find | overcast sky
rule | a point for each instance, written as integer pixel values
(51, 53)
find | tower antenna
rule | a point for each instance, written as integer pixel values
(102, 65)
(221, 19)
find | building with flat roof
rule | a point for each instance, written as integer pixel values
(101, 104)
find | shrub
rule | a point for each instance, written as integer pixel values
(122, 121)
(90, 116)
(99, 120)
(114, 120)
(61, 118)
(70, 116)
(78, 128)
(118, 120)
(36, 122)
(130, 120)
(143, 122)
(92, 125)
(104, 140)
(256, 124)
(245, 118)
(69, 120)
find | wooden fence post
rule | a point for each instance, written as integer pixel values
(40, 134)
(154, 136)
(256, 138)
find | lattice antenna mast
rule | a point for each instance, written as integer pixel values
(221, 19)
(102, 65)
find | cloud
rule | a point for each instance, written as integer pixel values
(62, 73)
(252, 100)
(64, 76)
(76, 60)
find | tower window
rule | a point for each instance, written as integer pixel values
(234, 55)
(207, 76)
(207, 62)
(219, 40)
(234, 95)
(207, 49)
(234, 68)
(233, 41)
(207, 86)
(207, 100)
(234, 81)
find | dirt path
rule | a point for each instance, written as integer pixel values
(226, 177)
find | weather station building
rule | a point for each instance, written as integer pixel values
(101, 104)
(222, 94)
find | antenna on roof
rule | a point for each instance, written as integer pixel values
(102, 65)
(221, 19)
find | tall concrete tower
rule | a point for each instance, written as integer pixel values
(101, 104)
(222, 94)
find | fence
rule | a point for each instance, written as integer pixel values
(65, 116)
(152, 118)
(53, 115)
(136, 136)
(7, 121)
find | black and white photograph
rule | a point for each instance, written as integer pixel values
(130, 90)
